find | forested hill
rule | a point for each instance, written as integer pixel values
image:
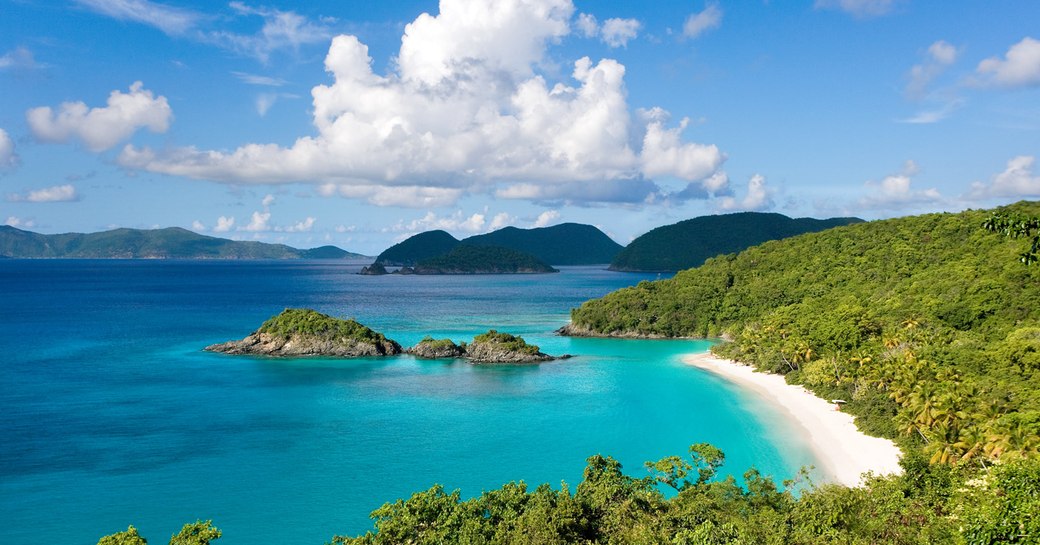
(563, 244)
(470, 259)
(689, 243)
(929, 325)
(172, 243)
(417, 248)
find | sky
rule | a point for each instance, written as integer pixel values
(359, 123)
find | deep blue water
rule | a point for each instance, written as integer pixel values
(110, 414)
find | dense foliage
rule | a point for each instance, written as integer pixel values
(195, 533)
(928, 325)
(510, 343)
(172, 242)
(1015, 226)
(417, 248)
(439, 343)
(691, 242)
(304, 321)
(928, 504)
(563, 244)
(466, 259)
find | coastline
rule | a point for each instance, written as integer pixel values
(844, 453)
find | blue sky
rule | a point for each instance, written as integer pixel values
(360, 123)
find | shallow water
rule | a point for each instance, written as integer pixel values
(111, 415)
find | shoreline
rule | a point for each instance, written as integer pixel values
(844, 453)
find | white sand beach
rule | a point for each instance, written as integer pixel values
(844, 452)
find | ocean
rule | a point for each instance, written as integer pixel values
(111, 414)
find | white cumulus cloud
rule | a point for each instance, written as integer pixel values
(258, 223)
(462, 110)
(15, 221)
(547, 218)
(617, 32)
(299, 227)
(895, 192)
(103, 127)
(1020, 67)
(758, 197)
(198, 226)
(457, 221)
(57, 193)
(587, 25)
(502, 219)
(1017, 180)
(224, 224)
(700, 22)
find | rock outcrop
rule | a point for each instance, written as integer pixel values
(495, 347)
(374, 269)
(430, 348)
(305, 332)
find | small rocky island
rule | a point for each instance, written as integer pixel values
(432, 349)
(299, 332)
(306, 332)
(495, 347)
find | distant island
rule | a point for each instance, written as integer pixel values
(417, 248)
(691, 242)
(467, 259)
(564, 244)
(303, 332)
(168, 243)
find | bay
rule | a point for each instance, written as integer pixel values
(110, 413)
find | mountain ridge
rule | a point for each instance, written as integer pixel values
(689, 243)
(562, 244)
(165, 243)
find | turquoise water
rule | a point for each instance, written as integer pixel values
(111, 415)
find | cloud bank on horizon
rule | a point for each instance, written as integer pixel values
(465, 110)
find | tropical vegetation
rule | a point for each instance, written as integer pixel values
(928, 326)
(563, 244)
(691, 242)
(467, 259)
(418, 247)
(195, 533)
(506, 342)
(684, 501)
(308, 322)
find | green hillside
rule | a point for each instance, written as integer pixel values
(417, 248)
(564, 244)
(172, 243)
(928, 325)
(467, 259)
(691, 242)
